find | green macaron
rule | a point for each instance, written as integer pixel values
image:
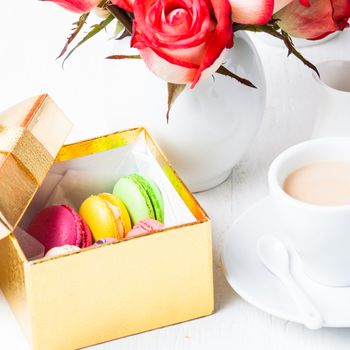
(141, 196)
(154, 194)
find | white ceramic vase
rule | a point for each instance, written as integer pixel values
(210, 126)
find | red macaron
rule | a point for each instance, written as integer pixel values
(60, 225)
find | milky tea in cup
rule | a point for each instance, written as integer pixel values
(321, 183)
(309, 187)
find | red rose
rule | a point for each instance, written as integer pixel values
(125, 4)
(321, 18)
(282, 3)
(252, 11)
(79, 6)
(243, 11)
(182, 41)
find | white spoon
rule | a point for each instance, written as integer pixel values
(274, 255)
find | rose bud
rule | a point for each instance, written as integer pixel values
(79, 6)
(321, 18)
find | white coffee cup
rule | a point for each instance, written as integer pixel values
(333, 91)
(320, 234)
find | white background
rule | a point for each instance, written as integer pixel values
(96, 94)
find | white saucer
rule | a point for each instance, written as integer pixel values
(254, 283)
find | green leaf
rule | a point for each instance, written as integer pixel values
(272, 28)
(78, 26)
(224, 71)
(124, 17)
(119, 32)
(102, 3)
(174, 90)
(123, 35)
(122, 57)
(95, 29)
(119, 28)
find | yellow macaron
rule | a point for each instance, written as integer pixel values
(106, 216)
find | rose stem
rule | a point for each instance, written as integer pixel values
(121, 16)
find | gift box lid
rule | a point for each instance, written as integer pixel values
(31, 134)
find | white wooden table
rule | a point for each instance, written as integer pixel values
(31, 34)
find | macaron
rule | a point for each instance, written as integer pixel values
(60, 225)
(141, 196)
(105, 240)
(61, 250)
(145, 226)
(155, 195)
(106, 216)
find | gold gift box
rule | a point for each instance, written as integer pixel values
(115, 290)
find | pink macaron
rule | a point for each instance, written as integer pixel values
(145, 226)
(60, 225)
